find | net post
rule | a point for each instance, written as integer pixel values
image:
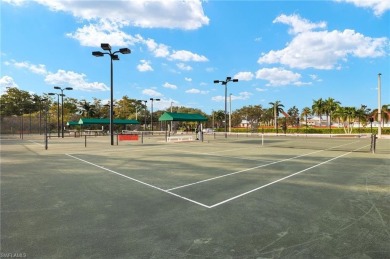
(262, 139)
(85, 141)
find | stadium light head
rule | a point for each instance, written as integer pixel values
(115, 57)
(235, 80)
(57, 87)
(228, 78)
(157, 99)
(216, 81)
(105, 46)
(51, 94)
(69, 88)
(125, 51)
(97, 53)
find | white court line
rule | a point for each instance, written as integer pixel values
(36, 143)
(281, 179)
(138, 181)
(256, 167)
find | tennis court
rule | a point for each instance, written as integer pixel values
(245, 196)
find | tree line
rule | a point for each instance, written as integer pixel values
(16, 102)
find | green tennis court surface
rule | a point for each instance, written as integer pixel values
(240, 197)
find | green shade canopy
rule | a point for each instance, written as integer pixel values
(72, 123)
(89, 121)
(170, 116)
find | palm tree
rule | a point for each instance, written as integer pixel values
(277, 106)
(86, 109)
(318, 108)
(330, 106)
(347, 115)
(385, 114)
(306, 112)
(362, 115)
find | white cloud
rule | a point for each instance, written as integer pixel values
(196, 91)
(188, 79)
(323, 49)
(298, 24)
(261, 89)
(242, 96)
(159, 50)
(152, 93)
(183, 66)
(378, 6)
(36, 69)
(75, 80)
(187, 15)
(144, 66)
(168, 85)
(15, 2)
(277, 76)
(244, 76)
(7, 81)
(185, 55)
(104, 31)
(218, 98)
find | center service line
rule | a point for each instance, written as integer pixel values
(284, 178)
(252, 168)
(138, 181)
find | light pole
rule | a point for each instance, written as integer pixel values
(230, 113)
(45, 120)
(62, 106)
(113, 56)
(145, 101)
(151, 114)
(379, 107)
(171, 121)
(58, 112)
(228, 79)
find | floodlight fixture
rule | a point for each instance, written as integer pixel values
(97, 53)
(115, 57)
(225, 82)
(105, 46)
(125, 51)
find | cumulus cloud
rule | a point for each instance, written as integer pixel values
(378, 6)
(168, 85)
(188, 79)
(240, 96)
(151, 92)
(75, 80)
(172, 14)
(144, 66)
(277, 76)
(244, 76)
(185, 55)
(5, 82)
(36, 69)
(298, 24)
(322, 49)
(196, 91)
(92, 35)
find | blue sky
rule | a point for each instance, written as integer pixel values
(290, 51)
